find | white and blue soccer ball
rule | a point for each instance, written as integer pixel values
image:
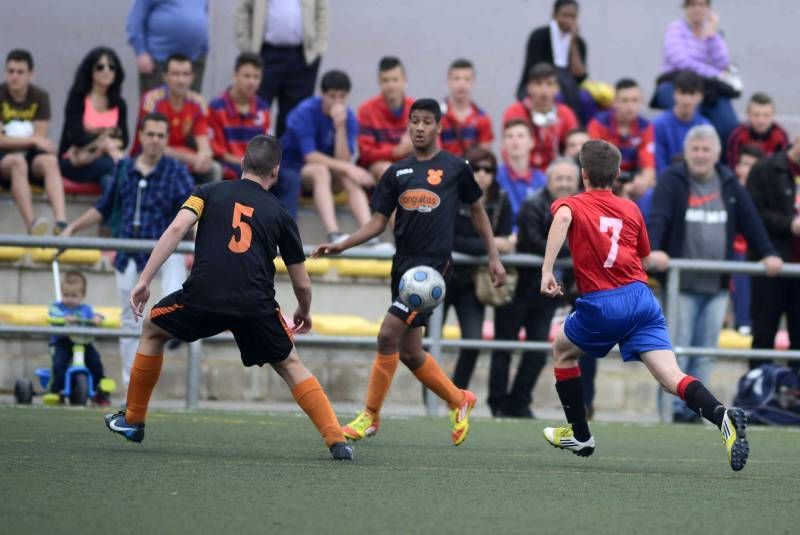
(421, 288)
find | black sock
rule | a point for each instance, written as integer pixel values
(703, 402)
(570, 392)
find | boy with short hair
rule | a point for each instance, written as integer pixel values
(464, 124)
(516, 176)
(69, 311)
(238, 115)
(610, 249)
(760, 130)
(670, 128)
(548, 120)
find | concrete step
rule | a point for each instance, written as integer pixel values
(309, 223)
(345, 373)
(33, 284)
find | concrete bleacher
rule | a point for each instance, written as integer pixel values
(349, 298)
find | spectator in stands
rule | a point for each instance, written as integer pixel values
(318, 150)
(695, 43)
(157, 29)
(529, 308)
(461, 286)
(26, 153)
(760, 130)
(548, 120)
(464, 124)
(670, 127)
(698, 208)
(560, 45)
(238, 115)
(188, 119)
(774, 184)
(624, 127)
(748, 156)
(516, 176)
(95, 131)
(383, 134)
(148, 191)
(291, 36)
(574, 142)
(71, 310)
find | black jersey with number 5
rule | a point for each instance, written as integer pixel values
(427, 195)
(241, 227)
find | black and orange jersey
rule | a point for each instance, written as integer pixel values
(241, 227)
(427, 195)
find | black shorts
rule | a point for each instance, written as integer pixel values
(29, 156)
(401, 264)
(261, 339)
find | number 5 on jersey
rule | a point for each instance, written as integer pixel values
(615, 225)
(242, 244)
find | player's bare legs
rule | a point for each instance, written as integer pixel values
(310, 396)
(576, 438)
(731, 422)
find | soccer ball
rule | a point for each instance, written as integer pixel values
(421, 288)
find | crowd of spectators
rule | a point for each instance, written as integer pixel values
(709, 186)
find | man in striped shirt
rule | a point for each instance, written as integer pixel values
(238, 115)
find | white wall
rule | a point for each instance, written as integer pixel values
(624, 39)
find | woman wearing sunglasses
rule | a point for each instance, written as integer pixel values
(95, 130)
(461, 288)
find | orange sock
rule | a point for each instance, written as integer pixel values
(380, 379)
(144, 376)
(431, 375)
(312, 399)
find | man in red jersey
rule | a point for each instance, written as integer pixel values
(616, 306)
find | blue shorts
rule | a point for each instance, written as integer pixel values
(629, 316)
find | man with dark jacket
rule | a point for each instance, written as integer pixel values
(529, 308)
(774, 184)
(698, 208)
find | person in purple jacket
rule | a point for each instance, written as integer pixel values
(695, 43)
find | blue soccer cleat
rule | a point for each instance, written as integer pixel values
(341, 452)
(116, 423)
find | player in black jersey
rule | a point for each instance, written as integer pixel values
(426, 189)
(231, 287)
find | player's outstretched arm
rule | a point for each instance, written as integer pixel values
(166, 246)
(484, 228)
(374, 227)
(555, 240)
(301, 285)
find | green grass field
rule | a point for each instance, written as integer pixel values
(61, 471)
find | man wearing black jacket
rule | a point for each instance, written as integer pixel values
(774, 184)
(529, 308)
(698, 208)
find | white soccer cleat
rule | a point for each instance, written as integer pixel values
(564, 438)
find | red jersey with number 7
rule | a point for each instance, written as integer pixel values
(607, 239)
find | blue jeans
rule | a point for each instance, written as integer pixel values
(740, 295)
(700, 323)
(100, 171)
(721, 113)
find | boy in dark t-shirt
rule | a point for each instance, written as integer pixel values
(231, 287)
(425, 190)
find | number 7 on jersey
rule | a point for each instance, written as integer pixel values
(615, 225)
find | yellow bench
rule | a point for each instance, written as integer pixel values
(730, 339)
(36, 315)
(12, 254)
(314, 266)
(70, 256)
(343, 325)
(350, 267)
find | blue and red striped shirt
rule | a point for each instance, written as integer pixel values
(380, 129)
(637, 147)
(458, 136)
(230, 129)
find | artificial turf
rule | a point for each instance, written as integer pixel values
(61, 471)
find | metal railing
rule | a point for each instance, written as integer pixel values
(434, 340)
